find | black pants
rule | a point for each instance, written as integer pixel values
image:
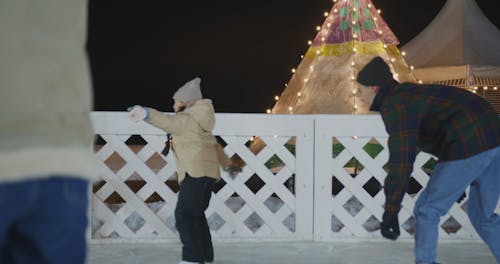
(190, 220)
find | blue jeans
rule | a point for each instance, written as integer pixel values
(447, 182)
(43, 221)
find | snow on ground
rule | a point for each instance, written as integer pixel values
(347, 252)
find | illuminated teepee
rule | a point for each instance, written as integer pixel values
(325, 81)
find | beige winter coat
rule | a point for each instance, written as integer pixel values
(196, 150)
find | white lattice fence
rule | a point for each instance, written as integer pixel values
(271, 198)
(342, 157)
(349, 175)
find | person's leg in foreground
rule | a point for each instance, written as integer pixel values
(447, 182)
(46, 226)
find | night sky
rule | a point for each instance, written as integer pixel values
(141, 52)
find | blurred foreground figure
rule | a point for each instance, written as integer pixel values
(458, 127)
(46, 156)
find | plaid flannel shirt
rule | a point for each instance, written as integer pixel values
(448, 122)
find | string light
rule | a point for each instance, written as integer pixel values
(328, 24)
(385, 46)
(354, 9)
(393, 59)
(369, 5)
(318, 28)
(293, 70)
(485, 88)
(420, 81)
(290, 108)
(403, 53)
(379, 11)
(375, 19)
(325, 14)
(354, 92)
(380, 32)
(335, 10)
(495, 88)
(412, 67)
(354, 36)
(276, 98)
(353, 63)
(268, 111)
(309, 42)
(306, 80)
(299, 94)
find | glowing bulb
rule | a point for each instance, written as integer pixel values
(475, 87)
(311, 67)
(301, 56)
(379, 11)
(412, 67)
(354, 22)
(323, 39)
(252, 138)
(335, 10)
(375, 19)
(380, 32)
(318, 28)
(353, 78)
(276, 98)
(495, 88)
(385, 46)
(420, 81)
(354, 49)
(369, 5)
(353, 63)
(293, 70)
(354, 92)
(325, 14)
(306, 80)
(355, 106)
(299, 94)
(290, 108)
(474, 91)
(354, 36)
(403, 53)
(485, 88)
(268, 111)
(393, 59)
(396, 75)
(354, 137)
(309, 42)
(318, 52)
(354, 9)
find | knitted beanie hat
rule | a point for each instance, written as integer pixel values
(190, 91)
(375, 73)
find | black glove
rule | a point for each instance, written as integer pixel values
(461, 198)
(233, 170)
(390, 225)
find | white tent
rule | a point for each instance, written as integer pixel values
(459, 47)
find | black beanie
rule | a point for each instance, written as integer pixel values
(375, 73)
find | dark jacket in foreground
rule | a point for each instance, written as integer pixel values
(448, 122)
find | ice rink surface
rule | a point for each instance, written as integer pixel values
(350, 252)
